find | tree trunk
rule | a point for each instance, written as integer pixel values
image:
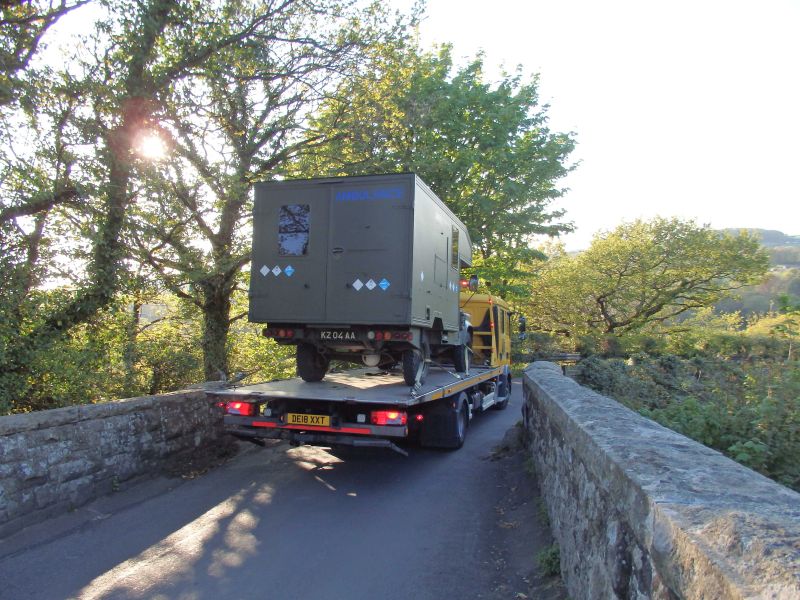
(130, 353)
(216, 324)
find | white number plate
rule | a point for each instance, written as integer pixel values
(337, 335)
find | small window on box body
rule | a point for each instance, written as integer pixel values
(293, 230)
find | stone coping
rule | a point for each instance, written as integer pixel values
(684, 501)
(56, 417)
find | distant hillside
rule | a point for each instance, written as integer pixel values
(783, 280)
(769, 237)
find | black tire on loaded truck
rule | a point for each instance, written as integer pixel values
(461, 359)
(445, 424)
(311, 364)
(414, 367)
(504, 389)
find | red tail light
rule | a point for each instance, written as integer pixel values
(388, 417)
(246, 409)
(278, 333)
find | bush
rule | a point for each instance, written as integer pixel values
(749, 410)
(549, 561)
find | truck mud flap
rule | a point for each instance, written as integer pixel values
(316, 439)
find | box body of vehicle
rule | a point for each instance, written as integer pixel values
(374, 250)
(358, 269)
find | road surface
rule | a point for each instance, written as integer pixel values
(284, 523)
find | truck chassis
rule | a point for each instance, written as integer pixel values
(365, 407)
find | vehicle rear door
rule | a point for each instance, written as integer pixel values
(290, 248)
(370, 252)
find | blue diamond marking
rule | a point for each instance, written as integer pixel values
(384, 284)
(289, 270)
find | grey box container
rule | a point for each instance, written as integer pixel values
(372, 250)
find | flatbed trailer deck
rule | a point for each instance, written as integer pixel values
(365, 407)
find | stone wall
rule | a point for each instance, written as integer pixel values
(640, 511)
(54, 460)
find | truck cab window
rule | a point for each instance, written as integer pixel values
(293, 230)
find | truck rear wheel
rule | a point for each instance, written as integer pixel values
(446, 423)
(311, 364)
(462, 421)
(414, 367)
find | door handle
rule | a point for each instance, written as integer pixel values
(337, 250)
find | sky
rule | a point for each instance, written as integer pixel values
(681, 108)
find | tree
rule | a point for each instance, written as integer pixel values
(111, 93)
(22, 27)
(484, 148)
(642, 273)
(240, 118)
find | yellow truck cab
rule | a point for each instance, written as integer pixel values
(490, 330)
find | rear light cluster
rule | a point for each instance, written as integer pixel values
(388, 417)
(380, 336)
(245, 409)
(279, 333)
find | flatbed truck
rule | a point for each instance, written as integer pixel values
(366, 408)
(366, 270)
(370, 407)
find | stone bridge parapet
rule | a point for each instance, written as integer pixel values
(55, 460)
(640, 511)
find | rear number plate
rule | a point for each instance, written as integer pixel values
(314, 420)
(337, 335)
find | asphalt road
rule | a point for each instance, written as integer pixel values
(283, 523)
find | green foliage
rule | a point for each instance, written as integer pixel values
(639, 275)
(250, 353)
(229, 86)
(89, 364)
(549, 560)
(484, 148)
(542, 513)
(536, 345)
(749, 409)
(254, 98)
(167, 348)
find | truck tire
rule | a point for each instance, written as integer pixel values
(414, 367)
(507, 388)
(461, 359)
(446, 423)
(461, 422)
(311, 364)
